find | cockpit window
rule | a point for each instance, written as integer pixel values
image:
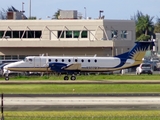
(25, 60)
(30, 60)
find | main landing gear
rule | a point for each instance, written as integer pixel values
(73, 77)
(7, 78)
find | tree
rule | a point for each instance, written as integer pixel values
(57, 14)
(137, 16)
(144, 26)
(157, 26)
(143, 37)
(32, 18)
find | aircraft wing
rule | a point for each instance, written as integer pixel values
(74, 66)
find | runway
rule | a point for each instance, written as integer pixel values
(81, 103)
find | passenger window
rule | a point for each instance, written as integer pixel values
(62, 60)
(49, 60)
(95, 60)
(56, 60)
(82, 60)
(69, 60)
(89, 61)
(76, 60)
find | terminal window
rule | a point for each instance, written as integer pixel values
(76, 34)
(60, 34)
(21, 34)
(114, 33)
(68, 34)
(124, 34)
(1, 34)
(72, 34)
(84, 34)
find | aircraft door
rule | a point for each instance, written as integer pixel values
(37, 62)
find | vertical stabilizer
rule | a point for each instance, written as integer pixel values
(137, 52)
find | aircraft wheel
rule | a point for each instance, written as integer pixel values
(66, 77)
(137, 73)
(7, 78)
(73, 77)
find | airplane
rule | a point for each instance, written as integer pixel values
(72, 65)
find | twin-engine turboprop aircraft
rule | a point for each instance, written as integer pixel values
(72, 65)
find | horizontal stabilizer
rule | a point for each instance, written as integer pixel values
(74, 66)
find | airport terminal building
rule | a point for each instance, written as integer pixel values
(65, 37)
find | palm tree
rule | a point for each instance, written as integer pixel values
(137, 16)
(56, 14)
(145, 24)
(157, 26)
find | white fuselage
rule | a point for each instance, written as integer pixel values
(40, 63)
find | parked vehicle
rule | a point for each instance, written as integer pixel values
(144, 68)
(155, 59)
(154, 65)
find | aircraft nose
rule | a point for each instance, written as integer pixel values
(5, 70)
(5, 67)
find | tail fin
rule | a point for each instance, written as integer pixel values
(137, 52)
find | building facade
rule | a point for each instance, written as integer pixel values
(20, 38)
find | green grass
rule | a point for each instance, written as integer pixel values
(83, 115)
(82, 88)
(79, 88)
(90, 77)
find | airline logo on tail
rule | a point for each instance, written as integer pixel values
(138, 52)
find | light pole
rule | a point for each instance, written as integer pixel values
(30, 9)
(85, 12)
(23, 10)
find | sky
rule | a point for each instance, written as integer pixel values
(112, 9)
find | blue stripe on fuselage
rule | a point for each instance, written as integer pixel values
(123, 61)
